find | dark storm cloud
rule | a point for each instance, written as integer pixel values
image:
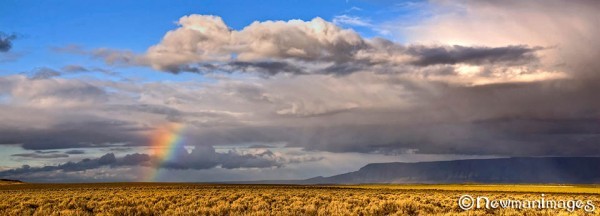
(261, 146)
(6, 41)
(119, 149)
(85, 164)
(202, 157)
(68, 127)
(177, 69)
(539, 118)
(445, 119)
(41, 155)
(205, 157)
(107, 160)
(489, 138)
(472, 55)
(345, 68)
(75, 151)
(270, 68)
(74, 135)
(553, 117)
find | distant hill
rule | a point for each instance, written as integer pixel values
(571, 170)
(10, 181)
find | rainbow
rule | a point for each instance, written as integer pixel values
(164, 141)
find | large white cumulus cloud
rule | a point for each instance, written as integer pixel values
(204, 44)
(205, 38)
(200, 38)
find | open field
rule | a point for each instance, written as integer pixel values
(527, 188)
(215, 199)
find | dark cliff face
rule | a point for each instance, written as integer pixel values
(10, 181)
(575, 170)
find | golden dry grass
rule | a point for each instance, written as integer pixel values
(212, 199)
(531, 188)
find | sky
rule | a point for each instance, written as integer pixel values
(205, 91)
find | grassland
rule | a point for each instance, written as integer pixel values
(214, 199)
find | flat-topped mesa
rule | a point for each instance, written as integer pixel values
(565, 170)
(10, 181)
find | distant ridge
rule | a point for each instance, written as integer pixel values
(9, 181)
(561, 170)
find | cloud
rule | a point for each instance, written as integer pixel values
(199, 158)
(75, 151)
(46, 152)
(53, 92)
(46, 72)
(473, 55)
(261, 146)
(361, 112)
(57, 113)
(73, 135)
(350, 20)
(270, 68)
(205, 157)
(469, 23)
(6, 45)
(205, 44)
(85, 164)
(394, 113)
(6, 41)
(41, 155)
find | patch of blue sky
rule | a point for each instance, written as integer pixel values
(137, 25)
(388, 22)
